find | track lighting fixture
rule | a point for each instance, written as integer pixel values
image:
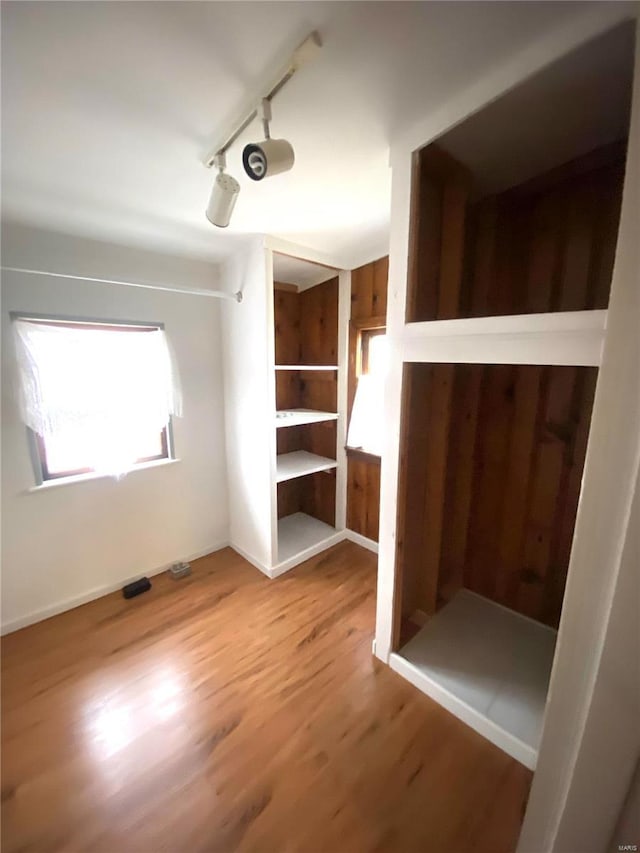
(223, 195)
(269, 157)
(260, 159)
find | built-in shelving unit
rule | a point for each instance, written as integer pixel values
(300, 463)
(306, 366)
(310, 305)
(299, 533)
(300, 417)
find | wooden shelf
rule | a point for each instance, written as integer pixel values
(299, 532)
(299, 463)
(297, 417)
(306, 366)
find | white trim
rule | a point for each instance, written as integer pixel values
(396, 300)
(512, 745)
(306, 367)
(363, 541)
(344, 310)
(570, 338)
(511, 324)
(302, 556)
(47, 485)
(293, 250)
(250, 559)
(100, 591)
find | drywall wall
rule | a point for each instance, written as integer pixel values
(589, 744)
(66, 544)
(250, 395)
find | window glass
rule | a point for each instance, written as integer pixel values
(97, 397)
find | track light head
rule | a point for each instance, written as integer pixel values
(223, 199)
(267, 158)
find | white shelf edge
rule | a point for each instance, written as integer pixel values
(307, 463)
(306, 367)
(479, 722)
(299, 417)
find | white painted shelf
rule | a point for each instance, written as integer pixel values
(487, 665)
(306, 366)
(299, 532)
(297, 417)
(299, 462)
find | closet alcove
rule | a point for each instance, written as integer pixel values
(513, 228)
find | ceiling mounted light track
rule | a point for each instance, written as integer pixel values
(261, 159)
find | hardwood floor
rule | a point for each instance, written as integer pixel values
(228, 712)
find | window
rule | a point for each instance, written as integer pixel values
(96, 397)
(367, 416)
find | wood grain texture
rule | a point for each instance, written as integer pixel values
(490, 470)
(306, 332)
(546, 245)
(226, 712)
(368, 310)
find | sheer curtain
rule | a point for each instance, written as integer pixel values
(110, 389)
(367, 416)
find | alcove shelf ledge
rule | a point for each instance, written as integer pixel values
(300, 463)
(306, 366)
(299, 417)
(300, 533)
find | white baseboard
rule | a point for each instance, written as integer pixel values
(307, 554)
(512, 745)
(251, 559)
(359, 539)
(98, 592)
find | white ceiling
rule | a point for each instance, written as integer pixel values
(304, 274)
(108, 108)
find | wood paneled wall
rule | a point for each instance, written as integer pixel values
(491, 466)
(368, 304)
(547, 245)
(492, 455)
(306, 332)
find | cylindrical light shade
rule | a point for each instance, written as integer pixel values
(267, 158)
(223, 198)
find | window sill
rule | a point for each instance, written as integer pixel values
(83, 478)
(362, 455)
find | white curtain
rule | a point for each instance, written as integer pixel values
(109, 389)
(367, 416)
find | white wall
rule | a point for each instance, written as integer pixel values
(67, 544)
(250, 410)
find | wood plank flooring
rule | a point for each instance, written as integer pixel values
(227, 712)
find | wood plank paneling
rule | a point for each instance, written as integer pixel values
(363, 504)
(513, 457)
(441, 191)
(368, 306)
(306, 332)
(286, 308)
(319, 323)
(546, 245)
